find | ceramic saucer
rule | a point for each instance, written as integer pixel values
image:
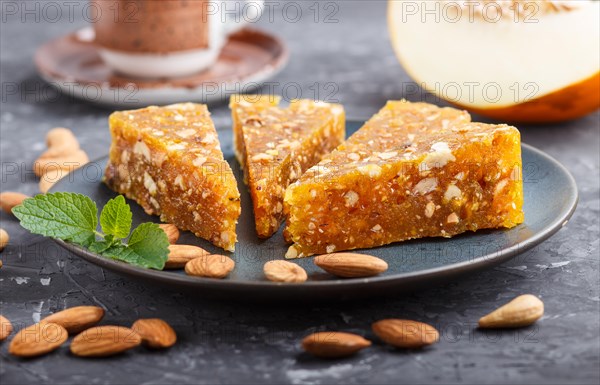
(72, 64)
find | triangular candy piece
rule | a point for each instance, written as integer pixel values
(276, 145)
(169, 160)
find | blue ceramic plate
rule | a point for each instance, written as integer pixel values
(550, 200)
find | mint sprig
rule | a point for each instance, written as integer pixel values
(74, 218)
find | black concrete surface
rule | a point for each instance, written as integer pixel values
(233, 342)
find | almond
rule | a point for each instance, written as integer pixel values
(60, 141)
(4, 239)
(284, 271)
(102, 341)
(77, 319)
(49, 179)
(351, 265)
(210, 266)
(172, 232)
(37, 339)
(10, 199)
(521, 311)
(405, 333)
(334, 344)
(179, 255)
(155, 332)
(5, 328)
(67, 162)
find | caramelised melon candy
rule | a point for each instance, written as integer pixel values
(169, 160)
(276, 145)
(413, 170)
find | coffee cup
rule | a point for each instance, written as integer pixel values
(166, 38)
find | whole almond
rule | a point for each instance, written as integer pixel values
(179, 255)
(334, 344)
(155, 333)
(4, 239)
(77, 319)
(67, 162)
(521, 311)
(10, 199)
(49, 179)
(351, 265)
(172, 232)
(210, 266)
(60, 141)
(45, 184)
(103, 341)
(405, 333)
(37, 339)
(284, 271)
(5, 328)
(58, 135)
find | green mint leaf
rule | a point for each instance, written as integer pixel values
(67, 216)
(115, 218)
(122, 253)
(151, 242)
(100, 247)
(148, 247)
(90, 240)
(119, 252)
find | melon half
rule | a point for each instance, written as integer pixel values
(521, 61)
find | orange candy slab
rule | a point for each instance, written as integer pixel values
(169, 160)
(276, 145)
(413, 170)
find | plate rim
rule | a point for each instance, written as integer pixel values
(448, 270)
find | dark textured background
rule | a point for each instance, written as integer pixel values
(226, 342)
